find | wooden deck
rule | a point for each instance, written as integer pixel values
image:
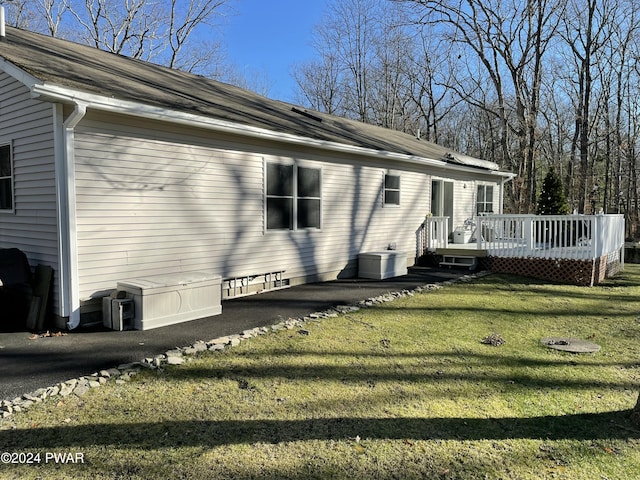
(575, 249)
(513, 249)
(580, 237)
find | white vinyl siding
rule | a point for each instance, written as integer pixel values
(27, 125)
(152, 202)
(148, 207)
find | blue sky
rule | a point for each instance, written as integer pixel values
(270, 36)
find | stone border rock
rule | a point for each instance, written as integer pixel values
(123, 373)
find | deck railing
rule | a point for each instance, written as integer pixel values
(580, 237)
(433, 233)
(550, 236)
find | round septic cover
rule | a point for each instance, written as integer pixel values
(573, 345)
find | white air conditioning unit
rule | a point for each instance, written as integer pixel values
(118, 313)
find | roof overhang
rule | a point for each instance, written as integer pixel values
(19, 74)
(56, 93)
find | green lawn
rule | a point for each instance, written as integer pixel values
(404, 390)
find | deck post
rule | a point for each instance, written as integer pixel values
(597, 243)
(528, 235)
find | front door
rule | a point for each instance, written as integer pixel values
(442, 200)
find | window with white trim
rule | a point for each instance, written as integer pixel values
(484, 199)
(391, 189)
(294, 200)
(6, 178)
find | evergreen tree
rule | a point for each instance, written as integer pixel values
(552, 200)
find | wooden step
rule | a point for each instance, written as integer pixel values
(459, 261)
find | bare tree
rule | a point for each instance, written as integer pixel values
(21, 14)
(388, 80)
(351, 30)
(347, 41)
(623, 55)
(431, 70)
(319, 84)
(161, 31)
(52, 13)
(509, 40)
(583, 32)
(125, 28)
(555, 121)
(256, 80)
(375, 66)
(185, 17)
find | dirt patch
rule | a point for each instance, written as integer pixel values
(573, 345)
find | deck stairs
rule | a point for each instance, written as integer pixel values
(459, 261)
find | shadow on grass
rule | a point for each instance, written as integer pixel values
(606, 311)
(347, 374)
(502, 374)
(588, 426)
(468, 356)
(612, 287)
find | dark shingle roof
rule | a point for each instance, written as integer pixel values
(85, 69)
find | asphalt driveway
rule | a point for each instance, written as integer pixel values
(28, 364)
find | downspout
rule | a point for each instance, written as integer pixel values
(67, 218)
(3, 32)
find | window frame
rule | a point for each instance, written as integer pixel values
(385, 201)
(307, 198)
(295, 197)
(484, 202)
(11, 180)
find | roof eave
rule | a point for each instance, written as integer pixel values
(19, 74)
(57, 93)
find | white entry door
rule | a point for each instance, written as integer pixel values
(442, 200)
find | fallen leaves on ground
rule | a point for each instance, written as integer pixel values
(46, 334)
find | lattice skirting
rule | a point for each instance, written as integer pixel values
(575, 272)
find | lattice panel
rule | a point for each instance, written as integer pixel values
(576, 272)
(613, 264)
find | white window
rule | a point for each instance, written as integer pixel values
(391, 189)
(293, 197)
(6, 178)
(484, 198)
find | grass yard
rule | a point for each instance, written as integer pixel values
(406, 390)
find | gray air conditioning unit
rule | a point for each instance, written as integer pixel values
(118, 312)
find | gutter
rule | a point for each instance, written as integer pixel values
(113, 105)
(66, 198)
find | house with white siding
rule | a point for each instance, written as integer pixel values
(114, 169)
